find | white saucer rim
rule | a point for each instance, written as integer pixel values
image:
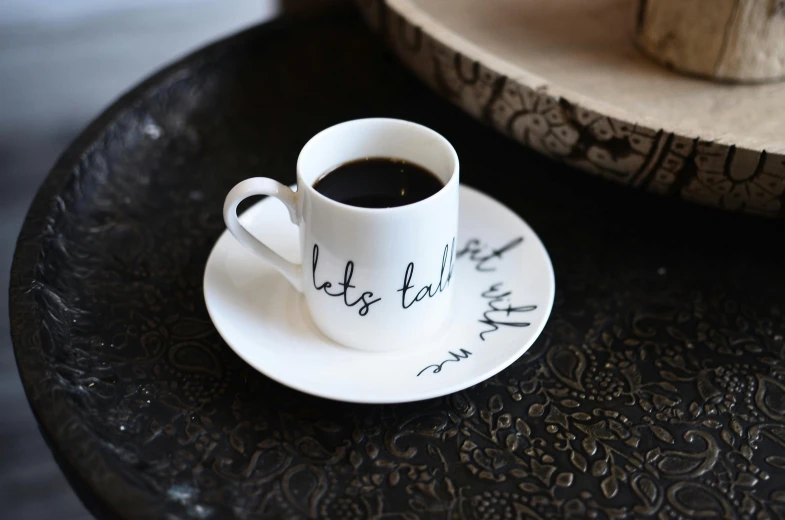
(432, 394)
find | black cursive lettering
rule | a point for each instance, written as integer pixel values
(454, 359)
(442, 282)
(407, 277)
(499, 312)
(477, 253)
(348, 272)
(428, 290)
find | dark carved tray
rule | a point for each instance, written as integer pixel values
(657, 387)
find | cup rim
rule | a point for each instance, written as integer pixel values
(376, 211)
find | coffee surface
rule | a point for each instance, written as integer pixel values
(378, 182)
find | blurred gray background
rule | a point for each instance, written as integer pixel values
(61, 63)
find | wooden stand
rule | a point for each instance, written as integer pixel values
(566, 79)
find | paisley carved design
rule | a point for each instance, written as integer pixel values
(195, 358)
(649, 493)
(568, 364)
(684, 464)
(304, 486)
(770, 398)
(698, 501)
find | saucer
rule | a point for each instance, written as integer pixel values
(504, 289)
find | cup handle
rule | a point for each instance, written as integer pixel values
(263, 186)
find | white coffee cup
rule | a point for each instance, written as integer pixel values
(375, 279)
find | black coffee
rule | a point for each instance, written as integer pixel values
(378, 182)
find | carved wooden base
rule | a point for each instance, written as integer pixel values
(697, 144)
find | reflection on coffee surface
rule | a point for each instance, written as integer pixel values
(378, 182)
